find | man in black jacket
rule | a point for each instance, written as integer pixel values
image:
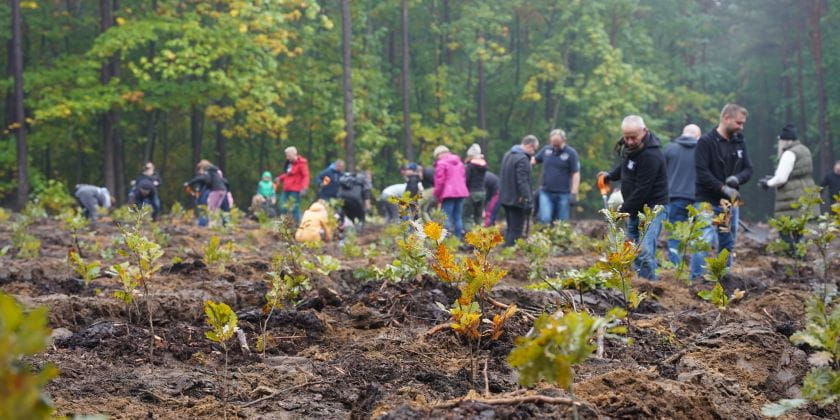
(644, 181)
(515, 192)
(722, 165)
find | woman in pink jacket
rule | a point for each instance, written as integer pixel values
(450, 188)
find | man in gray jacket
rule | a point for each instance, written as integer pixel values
(679, 161)
(90, 197)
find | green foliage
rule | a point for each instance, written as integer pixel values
(716, 270)
(222, 321)
(822, 334)
(689, 233)
(27, 245)
(285, 284)
(87, 271)
(557, 344)
(5, 215)
(129, 277)
(323, 264)
(23, 334)
(218, 255)
(537, 249)
(53, 197)
(583, 281)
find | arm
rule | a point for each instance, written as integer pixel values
(648, 168)
(538, 158)
(575, 174)
(745, 173)
(523, 180)
(304, 173)
(702, 157)
(440, 177)
(783, 170)
(615, 173)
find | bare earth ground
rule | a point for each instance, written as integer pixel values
(359, 349)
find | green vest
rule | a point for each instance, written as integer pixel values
(799, 179)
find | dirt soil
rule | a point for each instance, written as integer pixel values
(361, 349)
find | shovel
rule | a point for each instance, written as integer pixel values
(755, 233)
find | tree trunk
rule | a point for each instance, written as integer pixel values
(151, 134)
(221, 152)
(800, 93)
(196, 132)
(405, 85)
(480, 106)
(816, 9)
(20, 119)
(447, 53)
(346, 38)
(108, 120)
(119, 149)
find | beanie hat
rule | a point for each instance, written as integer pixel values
(474, 150)
(439, 151)
(788, 132)
(411, 166)
(266, 174)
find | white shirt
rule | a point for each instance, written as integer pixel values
(783, 170)
(395, 190)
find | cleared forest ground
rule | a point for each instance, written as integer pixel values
(359, 349)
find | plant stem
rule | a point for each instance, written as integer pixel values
(225, 382)
(151, 324)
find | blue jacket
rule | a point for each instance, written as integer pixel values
(330, 190)
(679, 162)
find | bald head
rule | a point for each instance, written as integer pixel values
(691, 130)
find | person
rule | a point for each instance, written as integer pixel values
(476, 168)
(314, 226)
(491, 185)
(145, 189)
(295, 179)
(515, 187)
(211, 180)
(92, 198)
(413, 176)
(328, 180)
(427, 179)
(644, 182)
(200, 190)
(793, 175)
(389, 210)
(679, 163)
(354, 190)
(560, 180)
(722, 165)
(450, 188)
(265, 199)
(831, 182)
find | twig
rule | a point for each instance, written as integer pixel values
(436, 329)
(282, 391)
(243, 341)
(501, 305)
(486, 381)
(600, 353)
(511, 400)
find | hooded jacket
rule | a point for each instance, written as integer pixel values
(211, 180)
(328, 181)
(717, 159)
(515, 179)
(265, 187)
(296, 176)
(314, 224)
(450, 178)
(643, 176)
(679, 161)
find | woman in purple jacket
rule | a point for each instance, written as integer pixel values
(450, 188)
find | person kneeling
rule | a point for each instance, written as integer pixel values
(314, 225)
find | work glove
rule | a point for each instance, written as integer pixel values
(763, 182)
(733, 182)
(731, 193)
(573, 199)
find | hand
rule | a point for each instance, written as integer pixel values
(730, 193)
(573, 199)
(763, 182)
(733, 182)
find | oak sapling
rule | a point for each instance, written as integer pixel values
(822, 333)
(286, 283)
(86, 271)
(223, 323)
(217, 255)
(22, 335)
(557, 344)
(689, 233)
(76, 223)
(716, 271)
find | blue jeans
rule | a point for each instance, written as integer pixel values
(645, 263)
(717, 239)
(203, 220)
(677, 212)
(454, 209)
(281, 204)
(553, 206)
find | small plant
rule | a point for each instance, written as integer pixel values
(580, 280)
(218, 255)
(27, 245)
(223, 323)
(5, 215)
(716, 271)
(822, 333)
(557, 344)
(350, 246)
(285, 286)
(129, 277)
(323, 265)
(23, 334)
(177, 212)
(537, 248)
(53, 197)
(76, 223)
(126, 215)
(689, 233)
(86, 271)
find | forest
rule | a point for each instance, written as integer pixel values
(132, 290)
(109, 85)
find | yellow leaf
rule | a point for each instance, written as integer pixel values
(120, 21)
(243, 28)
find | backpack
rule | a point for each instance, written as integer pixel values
(145, 187)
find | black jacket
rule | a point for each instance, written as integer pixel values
(212, 180)
(643, 177)
(491, 184)
(475, 176)
(515, 179)
(354, 187)
(717, 159)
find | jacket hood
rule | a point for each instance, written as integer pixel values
(317, 207)
(686, 141)
(448, 158)
(650, 141)
(518, 149)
